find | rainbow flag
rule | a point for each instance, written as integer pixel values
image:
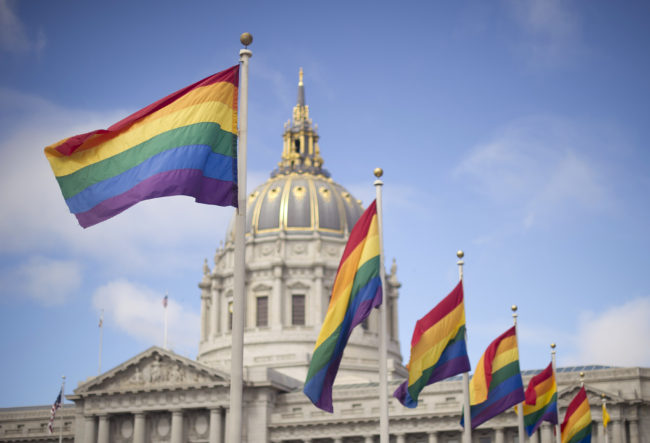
(576, 427)
(541, 400)
(356, 290)
(438, 347)
(496, 384)
(183, 144)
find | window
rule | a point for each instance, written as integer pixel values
(298, 309)
(262, 312)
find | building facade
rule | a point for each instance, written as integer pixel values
(298, 223)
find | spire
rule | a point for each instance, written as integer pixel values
(301, 90)
(301, 153)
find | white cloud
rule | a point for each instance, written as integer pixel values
(138, 311)
(46, 280)
(13, 36)
(617, 336)
(538, 168)
(551, 31)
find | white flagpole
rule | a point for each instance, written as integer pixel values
(166, 302)
(101, 340)
(558, 430)
(467, 414)
(520, 408)
(61, 414)
(239, 300)
(384, 435)
(605, 427)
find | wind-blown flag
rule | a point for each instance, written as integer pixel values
(576, 427)
(183, 144)
(55, 406)
(356, 290)
(438, 347)
(541, 400)
(605, 416)
(496, 384)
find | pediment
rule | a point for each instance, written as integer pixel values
(155, 368)
(262, 288)
(298, 285)
(594, 395)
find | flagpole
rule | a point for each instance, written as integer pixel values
(520, 409)
(61, 414)
(558, 429)
(101, 340)
(467, 414)
(604, 425)
(165, 322)
(384, 435)
(239, 300)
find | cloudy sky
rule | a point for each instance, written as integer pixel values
(516, 131)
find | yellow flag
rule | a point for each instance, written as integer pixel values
(605, 416)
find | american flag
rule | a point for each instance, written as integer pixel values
(55, 406)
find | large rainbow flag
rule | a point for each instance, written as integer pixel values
(496, 384)
(576, 427)
(438, 347)
(541, 400)
(356, 290)
(183, 144)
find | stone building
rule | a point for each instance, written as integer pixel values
(298, 224)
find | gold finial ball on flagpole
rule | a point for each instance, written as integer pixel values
(460, 254)
(378, 172)
(514, 308)
(246, 38)
(603, 396)
(582, 374)
(552, 345)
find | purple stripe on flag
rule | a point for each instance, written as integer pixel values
(497, 407)
(190, 182)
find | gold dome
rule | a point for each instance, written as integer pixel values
(300, 196)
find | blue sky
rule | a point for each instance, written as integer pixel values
(516, 131)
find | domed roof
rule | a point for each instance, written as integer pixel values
(299, 202)
(300, 196)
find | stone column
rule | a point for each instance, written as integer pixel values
(433, 437)
(617, 431)
(205, 315)
(215, 293)
(177, 426)
(369, 439)
(139, 427)
(227, 423)
(498, 435)
(216, 426)
(338, 439)
(634, 430)
(547, 433)
(317, 313)
(535, 437)
(103, 432)
(276, 304)
(401, 438)
(394, 335)
(90, 429)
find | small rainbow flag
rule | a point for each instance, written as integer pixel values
(496, 384)
(541, 400)
(183, 144)
(356, 291)
(438, 347)
(576, 427)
